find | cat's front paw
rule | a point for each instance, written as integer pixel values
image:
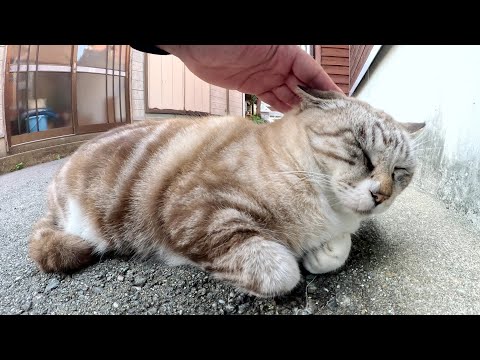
(329, 257)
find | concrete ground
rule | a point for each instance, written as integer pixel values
(418, 258)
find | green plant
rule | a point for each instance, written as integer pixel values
(257, 119)
(251, 101)
(18, 166)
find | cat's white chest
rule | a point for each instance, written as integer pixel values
(334, 227)
(345, 224)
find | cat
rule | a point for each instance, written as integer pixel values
(247, 202)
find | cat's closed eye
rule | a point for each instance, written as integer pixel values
(368, 162)
(399, 173)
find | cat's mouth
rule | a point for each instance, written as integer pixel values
(364, 212)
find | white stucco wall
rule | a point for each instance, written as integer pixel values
(3, 145)
(2, 83)
(441, 86)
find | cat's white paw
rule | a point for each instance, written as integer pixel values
(329, 257)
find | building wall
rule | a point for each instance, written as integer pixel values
(221, 104)
(3, 145)
(137, 90)
(335, 61)
(172, 87)
(358, 55)
(217, 103)
(218, 100)
(235, 103)
(441, 86)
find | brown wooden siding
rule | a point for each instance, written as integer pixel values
(358, 56)
(335, 60)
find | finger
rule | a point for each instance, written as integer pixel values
(309, 72)
(275, 102)
(284, 94)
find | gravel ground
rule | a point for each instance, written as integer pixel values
(418, 258)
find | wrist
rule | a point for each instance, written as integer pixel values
(172, 49)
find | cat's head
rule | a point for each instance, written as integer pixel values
(368, 156)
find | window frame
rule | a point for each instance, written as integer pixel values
(72, 69)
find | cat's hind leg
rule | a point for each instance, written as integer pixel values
(258, 266)
(329, 257)
(55, 250)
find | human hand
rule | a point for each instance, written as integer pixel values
(271, 72)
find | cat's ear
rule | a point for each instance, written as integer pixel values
(413, 128)
(321, 99)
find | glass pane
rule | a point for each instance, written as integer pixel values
(48, 108)
(118, 115)
(16, 108)
(124, 108)
(111, 54)
(26, 51)
(55, 54)
(120, 60)
(12, 54)
(114, 102)
(91, 99)
(110, 98)
(92, 55)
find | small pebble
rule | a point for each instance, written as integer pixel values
(27, 305)
(202, 292)
(52, 284)
(139, 281)
(242, 308)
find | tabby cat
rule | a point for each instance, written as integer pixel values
(246, 202)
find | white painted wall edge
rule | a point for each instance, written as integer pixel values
(370, 58)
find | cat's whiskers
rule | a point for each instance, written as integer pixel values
(429, 148)
(417, 144)
(317, 178)
(420, 137)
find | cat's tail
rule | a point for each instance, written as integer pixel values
(54, 250)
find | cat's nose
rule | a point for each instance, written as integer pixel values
(378, 198)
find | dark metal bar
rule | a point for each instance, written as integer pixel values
(120, 83)
(113, 83)
(73, 88)
(128, 117)
(35, 82)
(16, 88)
(106, 83)
(26, 92)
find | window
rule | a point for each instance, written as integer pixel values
(38, 91)
(58, 90)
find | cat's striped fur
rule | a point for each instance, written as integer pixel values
(241, 200)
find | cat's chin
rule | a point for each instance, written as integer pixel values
(359, 213)
(363, 212)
